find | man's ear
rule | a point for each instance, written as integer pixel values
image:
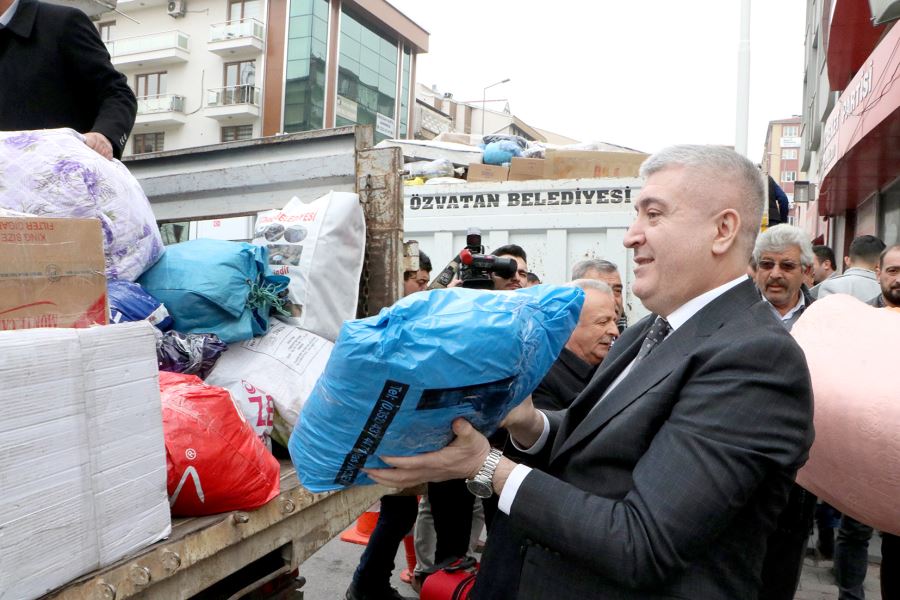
(728, 226)
(846, 262)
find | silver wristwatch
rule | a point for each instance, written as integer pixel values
(482, 484)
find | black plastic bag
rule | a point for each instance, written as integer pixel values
(499, 137)
(189, 353)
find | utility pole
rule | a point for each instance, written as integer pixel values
(742, 112)
(484, 100)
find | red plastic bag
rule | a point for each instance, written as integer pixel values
(215, 461)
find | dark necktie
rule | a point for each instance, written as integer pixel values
(658, 332)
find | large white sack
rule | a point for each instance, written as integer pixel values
(286, 363)
(52, 173)
(320, 245)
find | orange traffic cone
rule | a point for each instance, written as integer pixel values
(359, 532)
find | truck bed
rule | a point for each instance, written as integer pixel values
(203, 550)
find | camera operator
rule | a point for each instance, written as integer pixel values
(520, 279)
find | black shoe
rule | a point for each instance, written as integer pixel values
(354, 593)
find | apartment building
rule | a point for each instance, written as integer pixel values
(211, 71)
(781, 156)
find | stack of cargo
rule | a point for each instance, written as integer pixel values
(98, 452)
(82, 458)
(512, 158)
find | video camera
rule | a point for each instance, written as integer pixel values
(474, 267)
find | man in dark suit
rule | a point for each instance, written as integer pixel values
(666, 475)
(56, 72)
(585, 349)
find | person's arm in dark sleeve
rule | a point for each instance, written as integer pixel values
(547, 396)
(88, 58)
(728, 431)
(784, 204)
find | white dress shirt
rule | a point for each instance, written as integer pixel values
(790, 314)
(679, 317)
(10, 12)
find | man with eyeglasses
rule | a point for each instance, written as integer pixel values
(782, 258)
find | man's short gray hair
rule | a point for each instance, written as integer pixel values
(583, 267)
(781, 237)
(719, 164)
(591, 284)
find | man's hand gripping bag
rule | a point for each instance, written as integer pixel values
(395, 382)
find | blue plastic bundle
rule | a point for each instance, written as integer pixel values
(501, 151)
(213, 286)
(130, 302)
(395, 382)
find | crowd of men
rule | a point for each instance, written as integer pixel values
(651, 462)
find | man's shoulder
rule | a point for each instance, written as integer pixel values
(755, 327)
(849, 275)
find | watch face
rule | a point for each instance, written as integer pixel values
(480, 488)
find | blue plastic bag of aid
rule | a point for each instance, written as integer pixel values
(128, 301)
(214, 286)
(500, 152)
(395, 382)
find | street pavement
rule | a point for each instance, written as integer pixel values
(328, 573)
(817, 581)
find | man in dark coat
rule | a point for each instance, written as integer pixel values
(586, 348)
(56, 72)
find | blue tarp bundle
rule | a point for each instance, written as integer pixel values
(214, 286)
(395, 382)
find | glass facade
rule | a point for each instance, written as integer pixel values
(404, 92)
(367, 78)
(307, 44)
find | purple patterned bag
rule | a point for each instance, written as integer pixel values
(52, 173)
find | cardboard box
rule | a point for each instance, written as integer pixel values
(51, 273)
(526, 169)
(458, 138)
(575, 164)
(82, 454)
(480, 172)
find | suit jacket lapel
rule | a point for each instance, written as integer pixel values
(662, 361)
(620, 356)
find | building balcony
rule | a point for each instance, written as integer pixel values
(164, 109)
(236, 105)
(243, 38)
(154, 49)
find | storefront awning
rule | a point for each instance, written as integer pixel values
(861, 142)
(851, 38)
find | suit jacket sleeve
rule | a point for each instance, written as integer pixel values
(741, 415)
(541, 458)
(88, 58)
